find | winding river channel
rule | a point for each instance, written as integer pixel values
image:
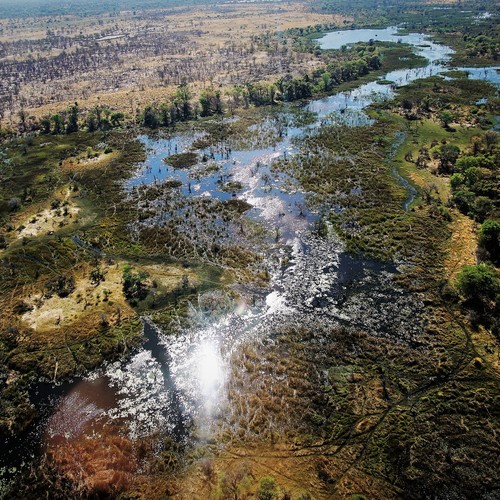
(177, 384)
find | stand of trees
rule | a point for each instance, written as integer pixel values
(476, 178)
(182, 106)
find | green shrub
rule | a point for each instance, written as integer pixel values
(478, 283)
(267, 489)
(134, 286)
(489, 239)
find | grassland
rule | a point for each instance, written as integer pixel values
(157, 50)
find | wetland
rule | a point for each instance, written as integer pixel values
(259, 302)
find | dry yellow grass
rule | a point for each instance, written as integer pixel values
(86, 301)
(82, 162)
(42, 219)
(89, 302)
(205, 32)
(462, 245)
(295, 470)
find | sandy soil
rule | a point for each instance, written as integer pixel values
(83, 163)
(93, 301)
(44, 220)
(86, 300)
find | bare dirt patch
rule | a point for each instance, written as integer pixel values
(87, 300)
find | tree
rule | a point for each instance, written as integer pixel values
(489, 239)
(237, 97)
(483, 206)
(116, 118)
(456, 180)
(472, 176)
(210, 102)
(490, 139)
(72, 125)
(58, 124)
(45, 124)
(446, 118)
(150, 117)
(96, 276)
(91, 122)
(267, 488)
(205, 103)
(447, 154)
(22, 119)
(165, 114)
(182, 102)
(464, 200)
(466, 162)
(134, 284)
(478, 284)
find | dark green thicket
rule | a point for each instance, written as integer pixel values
(489, 240)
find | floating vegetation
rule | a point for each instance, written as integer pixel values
(182, 160)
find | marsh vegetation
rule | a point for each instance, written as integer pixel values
(280, 285)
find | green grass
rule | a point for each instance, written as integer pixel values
(423, 134)
(31, 173)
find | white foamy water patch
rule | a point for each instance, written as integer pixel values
(199, 367)
(144, 400)
(199, 358)
(72, 415)
(274, 211)
(276, 303)
(250, 173)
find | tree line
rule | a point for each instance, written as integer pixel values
(182, 106)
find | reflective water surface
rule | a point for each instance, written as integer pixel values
(176, 384)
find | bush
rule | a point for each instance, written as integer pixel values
(134, 286)
(489, 239)
(464, 200)
(483, 206)
(22, 307)
(456, 181)
(55, 203)
(14, 204)
(478, 284)
(62, 286)
(96, 276)
(267, 489)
